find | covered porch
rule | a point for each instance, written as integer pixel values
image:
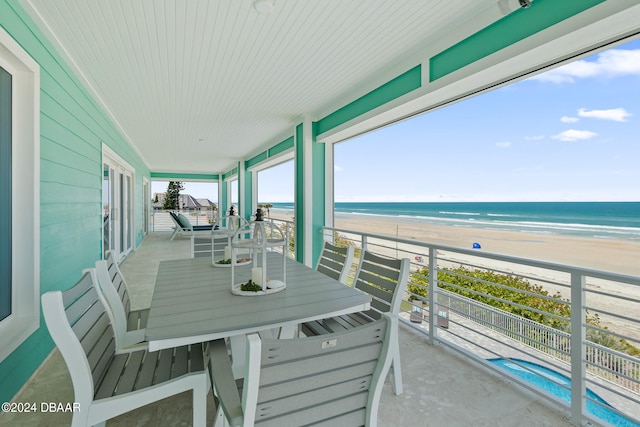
(109, 96)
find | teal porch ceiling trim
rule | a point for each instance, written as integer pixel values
(281, 147)
(389, 91)
(256, 159)
(190, 176)
(229, 174)
(509, 30)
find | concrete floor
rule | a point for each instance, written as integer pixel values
(441, 388)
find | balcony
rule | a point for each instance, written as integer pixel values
(447, 380)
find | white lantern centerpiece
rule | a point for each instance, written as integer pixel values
(263, 242)
(223, 232)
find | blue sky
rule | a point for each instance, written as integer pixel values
(569, 134)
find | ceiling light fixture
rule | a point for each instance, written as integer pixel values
(263, 6)
(508, 6)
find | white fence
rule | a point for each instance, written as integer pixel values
(608, 364)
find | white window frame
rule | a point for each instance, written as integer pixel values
(121, 166)
(25, 251)
(269, 163)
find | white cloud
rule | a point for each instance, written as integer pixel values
(615, 114)
(337, 168)
(534, 138)
(611, 63)
(574, 135)
(566, 119)
(505, 144)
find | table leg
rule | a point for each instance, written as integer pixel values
(288, 331)
(238, 354)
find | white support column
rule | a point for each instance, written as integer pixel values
(222, 204)
(307, 141)
(254, 190)
(328, 185)
(241, 178)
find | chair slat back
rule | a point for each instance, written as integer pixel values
(335, 261)
(174, 217)
(334, 377)
(118, 281)
(88, 326)
(385, 279)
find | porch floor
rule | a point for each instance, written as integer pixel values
(441, 388)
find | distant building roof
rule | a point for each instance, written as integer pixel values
(185, 201)
(205, 202)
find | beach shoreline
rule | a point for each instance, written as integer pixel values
(609, 255)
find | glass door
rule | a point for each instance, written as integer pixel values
(117, 207)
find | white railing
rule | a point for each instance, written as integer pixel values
(288, 229)
(161, 220)
(484, 332)
(606, 363)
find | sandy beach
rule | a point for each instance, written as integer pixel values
(614, 256)
(617, 256)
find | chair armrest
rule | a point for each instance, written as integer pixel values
(224, 384)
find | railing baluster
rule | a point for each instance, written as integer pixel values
(578, 338)
(433, 292)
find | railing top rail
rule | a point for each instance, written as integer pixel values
(633, 280)
(287, 221)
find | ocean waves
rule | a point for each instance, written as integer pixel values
(603, 220)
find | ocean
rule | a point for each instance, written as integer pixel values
(605, 220)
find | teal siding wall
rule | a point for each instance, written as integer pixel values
(73, 127)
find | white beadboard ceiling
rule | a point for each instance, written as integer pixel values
(196, 85)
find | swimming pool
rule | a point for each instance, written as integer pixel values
(553, 382)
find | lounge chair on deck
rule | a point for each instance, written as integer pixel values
(184, 227)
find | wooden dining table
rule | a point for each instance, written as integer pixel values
(192, 302)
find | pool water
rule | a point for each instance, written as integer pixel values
(551, 381)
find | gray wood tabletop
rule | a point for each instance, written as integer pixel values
(192, 301)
